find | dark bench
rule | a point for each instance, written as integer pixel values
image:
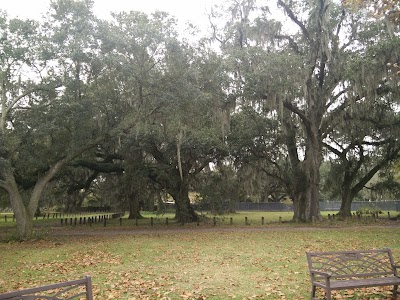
(352, 269)
(63, 290)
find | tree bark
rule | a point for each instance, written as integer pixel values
(312, 165)
(134, 204)
(184, 212)
(23, 219)
(305, 176)
(345, 206)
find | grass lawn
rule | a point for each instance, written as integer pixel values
(191, 262)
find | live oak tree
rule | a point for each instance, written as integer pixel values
(366, 140)
(44, 107)
(20, 91)
(134, 47)
(187, 132)
(359, 160)
(166, 94)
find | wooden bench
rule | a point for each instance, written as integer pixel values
(59, 291)
(352, 269)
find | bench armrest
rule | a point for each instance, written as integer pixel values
(324, 274)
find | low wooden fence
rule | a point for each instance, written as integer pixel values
(105, 219)
(71, 219)
(246, 220)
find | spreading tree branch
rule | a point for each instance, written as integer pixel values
(292, 16)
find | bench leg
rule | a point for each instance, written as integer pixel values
(395, 292)
(328, 295)
(313, 288)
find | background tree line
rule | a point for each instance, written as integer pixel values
(126, 111)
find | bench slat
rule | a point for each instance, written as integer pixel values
(360, 283)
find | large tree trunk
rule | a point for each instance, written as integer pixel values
(345, 207)
(347, 193)
(297, 190)
(305, 176)
(23, 218)
(134, 204)
(299, 208)
(312, 165)
(184, 210)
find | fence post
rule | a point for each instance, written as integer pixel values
(262, 220)
(120, 221)
(166, 221)
(214, 221)
(388, 214)
(246, 222)
(151, 221)
(231, 220)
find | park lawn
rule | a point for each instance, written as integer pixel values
(190, 263)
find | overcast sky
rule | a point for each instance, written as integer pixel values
(184, 10)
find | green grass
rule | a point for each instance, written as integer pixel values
(190, 262)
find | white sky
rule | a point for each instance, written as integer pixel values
(184, 10)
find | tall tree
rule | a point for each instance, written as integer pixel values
(365, 139)
(43, 111)
(188, 132)
(303, 74)
(134, 46)
(20, 45)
